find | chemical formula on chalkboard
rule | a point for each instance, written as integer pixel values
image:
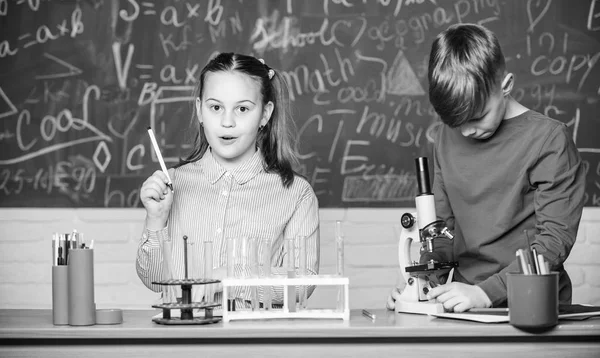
(80, 81)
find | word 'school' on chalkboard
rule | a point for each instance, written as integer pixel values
(80, 81)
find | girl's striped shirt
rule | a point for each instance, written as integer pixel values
(213, 204)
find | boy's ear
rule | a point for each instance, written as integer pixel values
(267, 112)
(508, 83)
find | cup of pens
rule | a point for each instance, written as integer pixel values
(72, 281)
(532, 293)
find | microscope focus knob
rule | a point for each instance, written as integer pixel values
(407, 220)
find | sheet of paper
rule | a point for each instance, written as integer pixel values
(567, 312)
(483, 318)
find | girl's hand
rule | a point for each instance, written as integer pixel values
(157, 198)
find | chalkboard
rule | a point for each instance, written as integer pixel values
(80, 81)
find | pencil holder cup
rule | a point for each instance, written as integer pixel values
(533, 300)
(60, 295)
(82, 306)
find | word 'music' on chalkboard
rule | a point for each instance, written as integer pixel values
(80, 81)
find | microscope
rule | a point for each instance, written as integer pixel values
(425, 227)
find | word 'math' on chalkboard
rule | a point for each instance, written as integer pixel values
(80, 81)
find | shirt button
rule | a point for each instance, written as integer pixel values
(224, 192)
(219, 230)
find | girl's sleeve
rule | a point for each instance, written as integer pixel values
(149, 261)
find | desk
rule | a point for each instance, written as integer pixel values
(30, 333)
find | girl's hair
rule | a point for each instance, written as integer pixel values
(275, 140)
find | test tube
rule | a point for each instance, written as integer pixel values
(168, 291)
(291, 273)
(208, 270)
(231, 258)
(253, 263)
(302, 271)
(265, 260)
(339, 249)
(186, 289)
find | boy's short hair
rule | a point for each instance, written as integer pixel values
(465, 65)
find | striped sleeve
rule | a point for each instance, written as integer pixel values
(149, 262)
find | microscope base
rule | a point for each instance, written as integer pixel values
(419, 307)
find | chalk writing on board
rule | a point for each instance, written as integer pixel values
(81, 80)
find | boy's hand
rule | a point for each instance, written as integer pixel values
(391, 301)
(460, 297)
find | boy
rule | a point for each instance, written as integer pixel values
(505, 177)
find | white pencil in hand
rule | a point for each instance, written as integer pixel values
(160, 158)
(450, 276)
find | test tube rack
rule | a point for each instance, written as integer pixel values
(186, 306)
(286, 312)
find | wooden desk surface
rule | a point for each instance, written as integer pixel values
(37, 324)
(22, 332)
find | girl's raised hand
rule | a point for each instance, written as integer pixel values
(157, 198)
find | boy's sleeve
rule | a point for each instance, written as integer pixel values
(559, 179)
(443, 247)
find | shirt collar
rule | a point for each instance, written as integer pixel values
(241, 174)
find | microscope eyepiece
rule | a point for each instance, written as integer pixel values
(423, 176)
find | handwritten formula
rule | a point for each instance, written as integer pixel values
(80, 81)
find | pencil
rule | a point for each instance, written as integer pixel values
(523, 262)
(159, 156)
(450, 276)
(538, 269)
(489, 310)
(543, 268)
(368, 314)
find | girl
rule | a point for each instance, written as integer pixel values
(238, 180)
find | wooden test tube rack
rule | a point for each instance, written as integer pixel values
(274, 313)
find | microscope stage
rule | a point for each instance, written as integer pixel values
(427, 268)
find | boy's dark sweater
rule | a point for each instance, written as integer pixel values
(523, 187)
